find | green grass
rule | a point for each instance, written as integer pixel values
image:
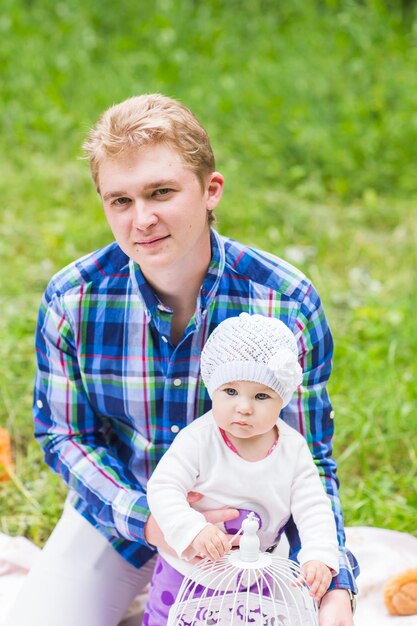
(312, 109)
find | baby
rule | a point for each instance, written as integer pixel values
(241, 455)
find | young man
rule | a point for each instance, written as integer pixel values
(119, 338)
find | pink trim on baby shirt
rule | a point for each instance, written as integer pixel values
(230, 445)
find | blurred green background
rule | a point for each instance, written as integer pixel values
(312, 111)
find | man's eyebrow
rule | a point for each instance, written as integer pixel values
(114, 194)
(157, 184)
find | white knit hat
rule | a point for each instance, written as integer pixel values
(253, 348)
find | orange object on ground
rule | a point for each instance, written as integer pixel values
(400, 593)
(6, 460)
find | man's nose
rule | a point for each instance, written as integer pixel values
(144, 215)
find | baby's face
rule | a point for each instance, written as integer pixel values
(246, 409)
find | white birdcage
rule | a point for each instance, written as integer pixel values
(245, 588)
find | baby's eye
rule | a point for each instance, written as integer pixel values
(230, 391)
(262, 396)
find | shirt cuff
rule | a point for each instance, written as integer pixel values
(130, 514)
(348, 571)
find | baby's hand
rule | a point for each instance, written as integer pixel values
(318, 577)
(211, 542)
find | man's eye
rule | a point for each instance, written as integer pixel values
(121, 201)
(262, 396)
(230, 391)
(162, 192)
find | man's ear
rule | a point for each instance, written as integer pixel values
(215, 185)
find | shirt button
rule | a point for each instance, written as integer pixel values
(39, 404)
(177, 382)
(175, 428)
(331, 415)
(164, 339)
(204, 313)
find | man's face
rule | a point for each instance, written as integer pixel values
(156, 207)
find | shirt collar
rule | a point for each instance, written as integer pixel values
(208, 289)
(214, 272)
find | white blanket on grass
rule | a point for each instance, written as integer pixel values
(381, 553)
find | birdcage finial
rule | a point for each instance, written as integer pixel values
(249, 542)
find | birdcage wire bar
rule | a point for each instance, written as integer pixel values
(232, 592)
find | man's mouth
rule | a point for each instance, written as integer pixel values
(151, 241)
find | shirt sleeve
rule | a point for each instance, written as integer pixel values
(310, 412)
(74, 439)
(174, 476)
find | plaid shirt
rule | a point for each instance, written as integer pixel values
(112, 390)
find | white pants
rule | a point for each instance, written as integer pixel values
(78, 580)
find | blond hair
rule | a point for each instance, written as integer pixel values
(148, 120)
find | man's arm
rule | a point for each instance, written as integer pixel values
(73, 437)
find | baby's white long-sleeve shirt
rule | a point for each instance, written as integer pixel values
(284, 483)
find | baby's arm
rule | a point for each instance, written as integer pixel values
(167, 490)
(211, 542)
(318, 577)
(312, 513)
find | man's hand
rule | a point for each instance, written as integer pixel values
(154, 536)
(217, 515)
(211, 542)
(335, 609)
(318, 577)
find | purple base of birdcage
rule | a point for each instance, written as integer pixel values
(242, 609)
